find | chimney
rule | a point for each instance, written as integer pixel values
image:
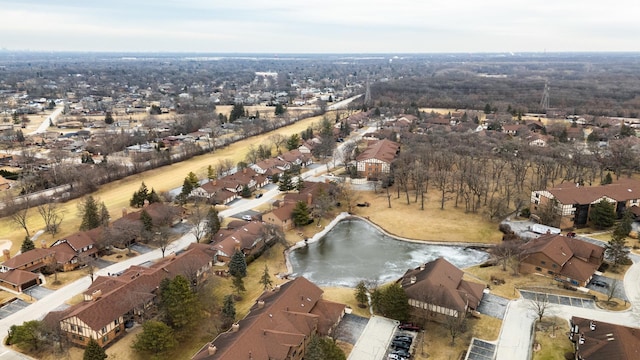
(413, 279)
(7, 254)
(96, 295)
(276, 288)
(260, 304)
(421, 267)
(309, 199)
(211, 350)
(146, 203)
(124, 212)
(43, 244)
(235, 327)
(215, 181)
(244, 171)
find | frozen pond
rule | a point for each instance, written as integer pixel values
(354, 250)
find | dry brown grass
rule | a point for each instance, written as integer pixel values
(6, 296)
(345, 296)
(508, 289)
(553, 344)
(64, 278)
(437, 340)
(450, 224)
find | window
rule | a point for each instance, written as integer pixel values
(550, 272)
(116, 321)
(104, 330)
(543, 262)
(538, 269)
(105, 339)
(554, 266)
(74, 327)
(80, 338)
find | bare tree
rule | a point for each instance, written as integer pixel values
(122, 232)
(613, 287)
(540, 304)
(52, 216)
(21, 215)
(278, 140)
(456, 325)
(198, 214)
(162, 238)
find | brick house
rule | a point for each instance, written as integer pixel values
(247, 237)
(565, 259)
(70, 250)
(437, 287)
(572, 203)
(279, 326)
(111, 302)
(376, 159)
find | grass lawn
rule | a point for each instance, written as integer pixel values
(451, 224)
(437, 340)
(550, 344)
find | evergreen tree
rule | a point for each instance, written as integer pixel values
(94, 351)
(27, 244)
(213, 222)
(138, 198)
(147, 221)
(300, 214)
(104, 214)
(236, 112)
(20, 136)
(293, 142)
(616, 250)
(179, 304)
(156, 338)
(108, 118)
(623, 228)
(90, 216)
(229, 308)
(265, 279)
(286, 183)
(361, 293)
(211, 174)
(279, 110)
(193, 179)
(153, 196)
(238, 285)
(323, 348)
(238, 265)
(602, 214)
(28, 336)
(607, 179)
(391, 302)
(246, 192)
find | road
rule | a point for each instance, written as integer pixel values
(516, 338)
(55, 300)
(48, 120)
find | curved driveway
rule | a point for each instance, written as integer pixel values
(516, 333)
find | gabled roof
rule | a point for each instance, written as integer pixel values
(283, 212)
(621, 190)
(24, 259)
(578, 259)
(440, 283)
(245, 237)
(607, 341)
(383, 150)
(277, 323)
(134, 287)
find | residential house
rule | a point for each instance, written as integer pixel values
(72, 250)
(308, 146)
(215, 193)
(279, 326)
(572, 202)
(596, 340)
(113, 302)
(280, 216)
(20, 272)
(438, 288)
(376, 159)
(271, 166)
(247, 237)
(565, 259)
(296, 157)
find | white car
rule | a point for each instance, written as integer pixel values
(247, 217)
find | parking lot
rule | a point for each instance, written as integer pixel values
(605, 285)
(493, 305)
(480, 350)
(12, 307)
(559, 299)
(350, 328)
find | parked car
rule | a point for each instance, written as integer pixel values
(402, 353)
(258, 195)
(400, 345)
(571, 234)
(396, 357)
(600, 283)
(406, 338)
(409, 326)
(247, 217)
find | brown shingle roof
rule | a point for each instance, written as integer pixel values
(622, 190)
(273, 329)
(440, 283)
(17, 277)
(25, 259)
(383, 150)
(607, 341)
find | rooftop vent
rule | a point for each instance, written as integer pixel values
(592, 325)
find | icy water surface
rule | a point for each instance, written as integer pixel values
(354, 250)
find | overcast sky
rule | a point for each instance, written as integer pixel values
(320, 26)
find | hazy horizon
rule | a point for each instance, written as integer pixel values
(327, 27)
